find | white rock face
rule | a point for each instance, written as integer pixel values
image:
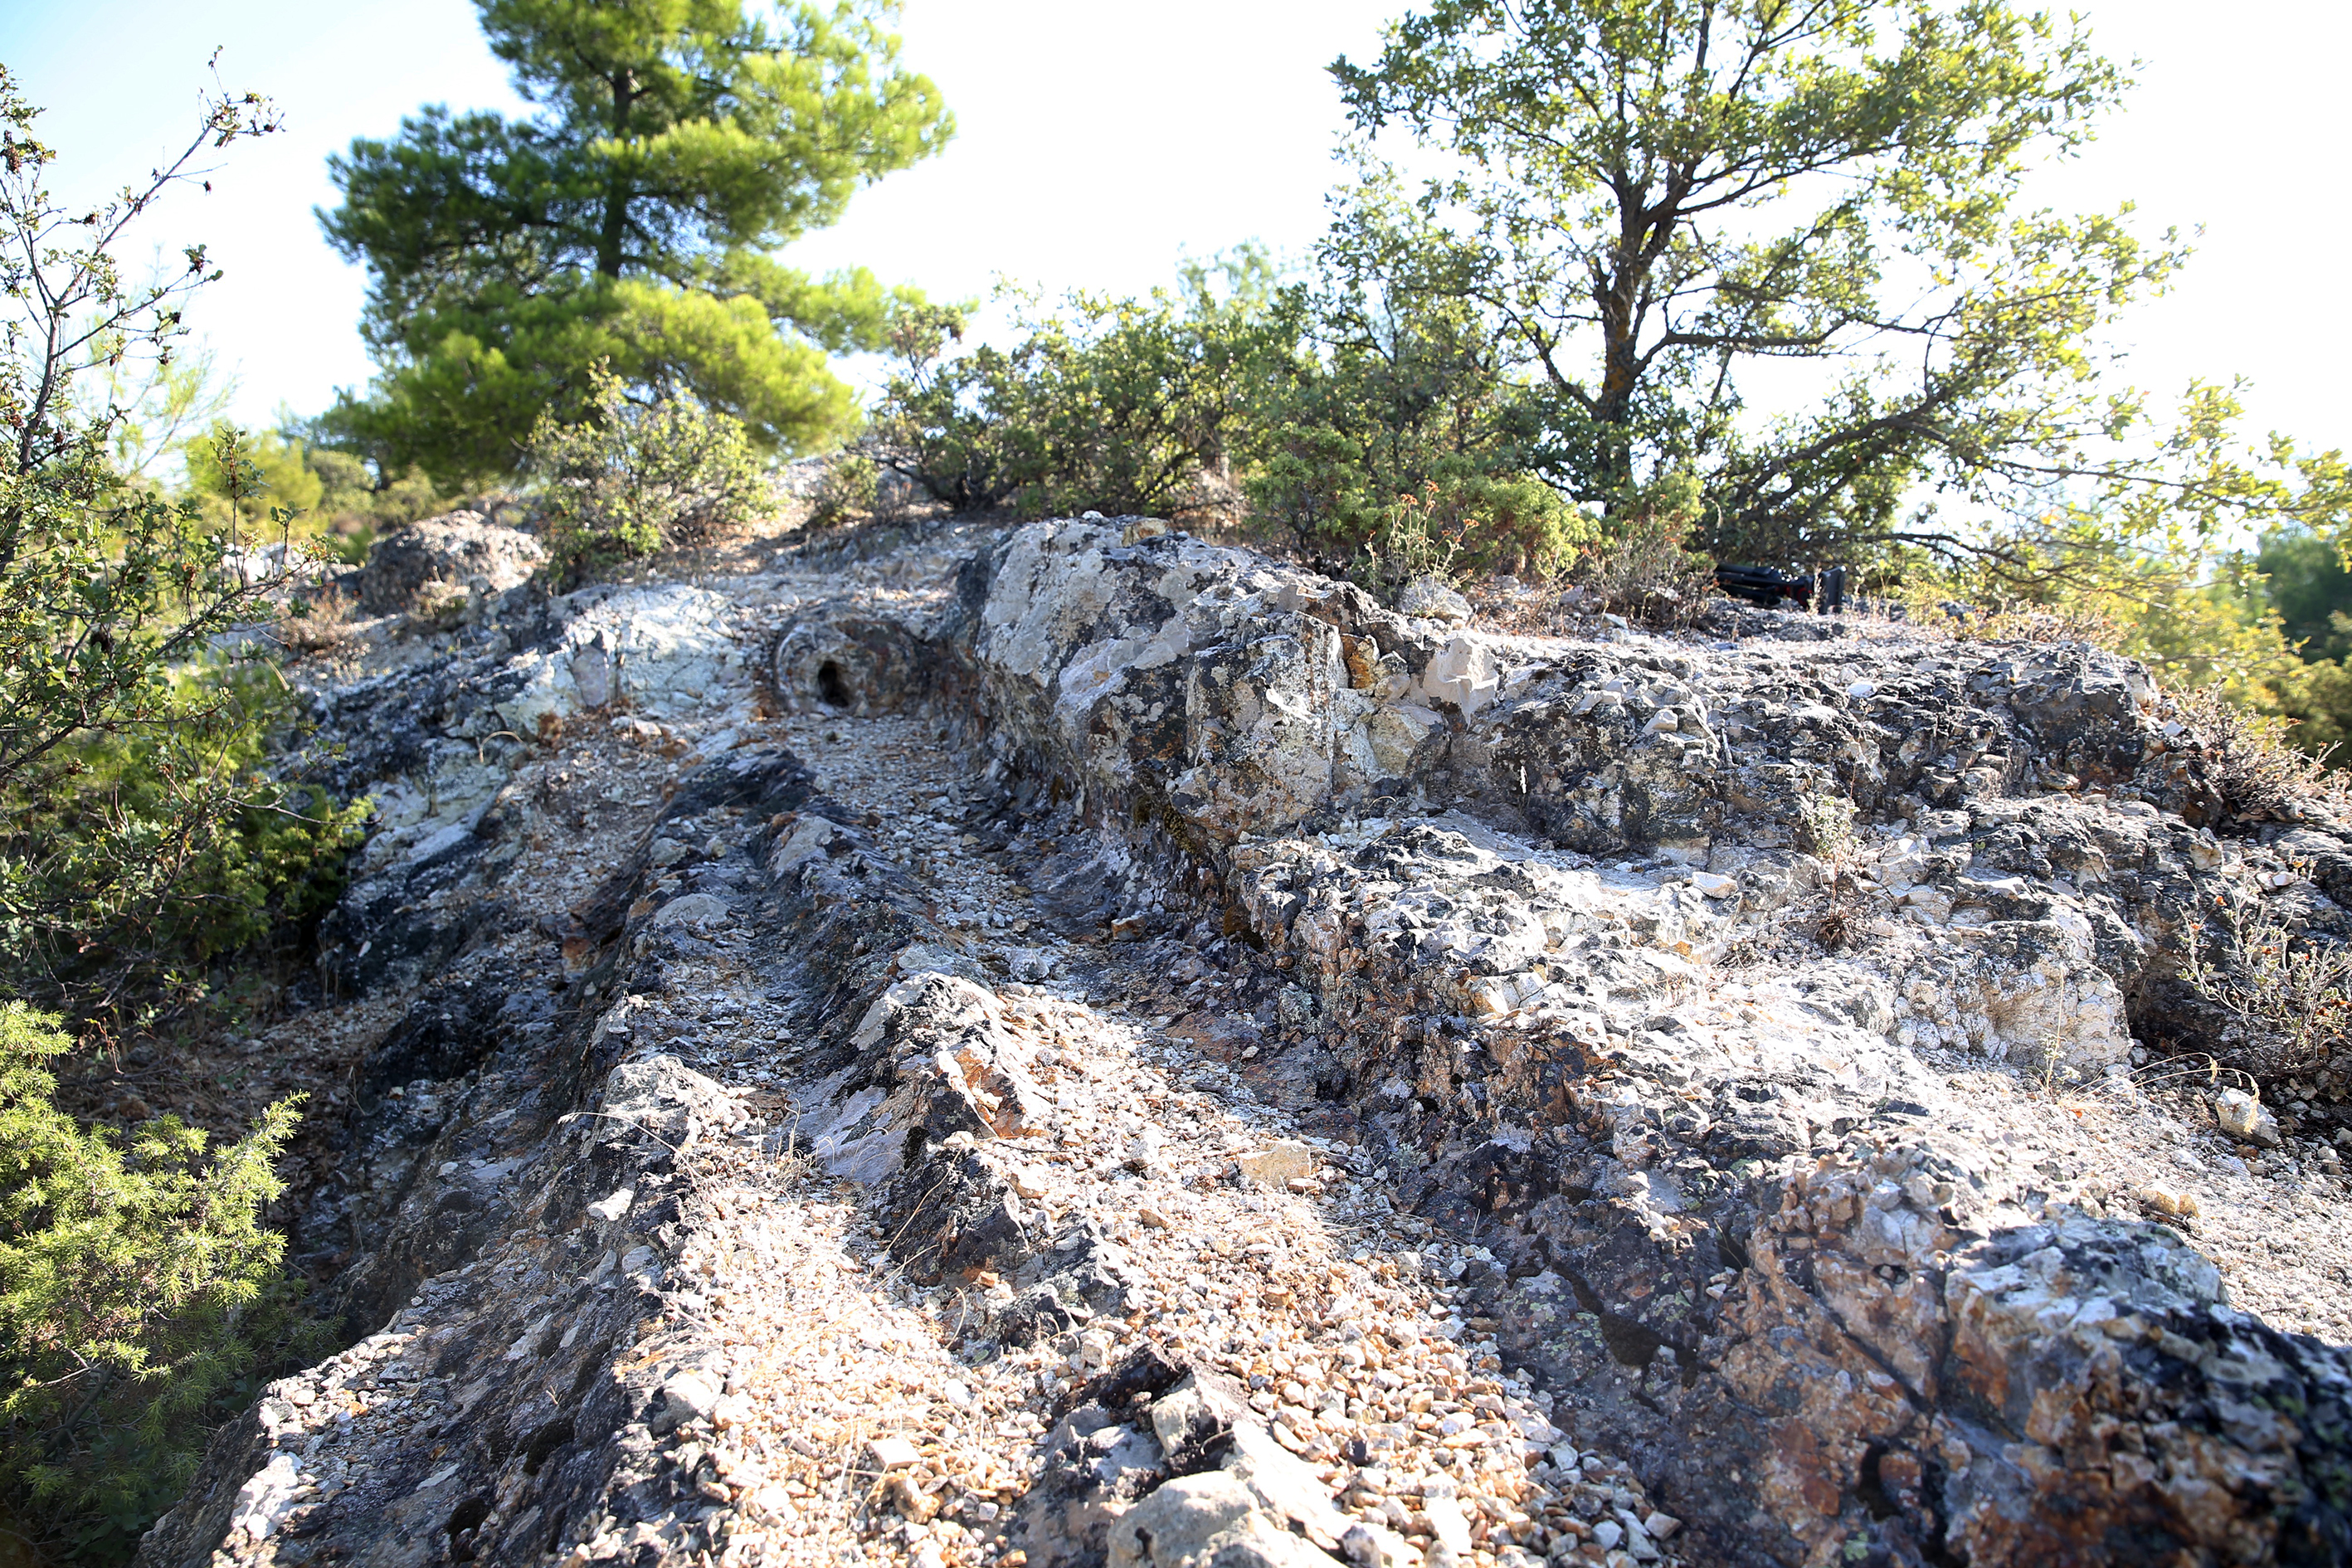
(659, 1094)
(1464, 672)
(687, 1396)
(264, 1499)
(696, 912)
(664, 650)
(1545, 918)
(2241, 1115)
(1252, 699)
(1263, 1506)
(807, 841)
(1283, 707)
(2045, 998)
(973, 1075)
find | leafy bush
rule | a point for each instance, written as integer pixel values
(1109, 405)
(142, 1301)
(1388, 428)
(2315, 700)
(848, 490)
(1644, 568)
(139, 1295)
(148, 825)
(1460, 523)
(250, 482)
(330, 499)
(2304, 581)
(130, 856)
(141, 831)
(629, 478)
(2249, 760)
(941, 418)
(1357, 423)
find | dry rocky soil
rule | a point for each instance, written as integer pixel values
(1076, 1045)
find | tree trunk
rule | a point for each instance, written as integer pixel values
(1620, 371)
(1620, 291)
(615, 226)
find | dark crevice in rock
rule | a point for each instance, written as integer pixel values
(1633, 1344)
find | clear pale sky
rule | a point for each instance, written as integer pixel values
(1099, 143)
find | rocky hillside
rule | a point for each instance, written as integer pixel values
(1074, 1045)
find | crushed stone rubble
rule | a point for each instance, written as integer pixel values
(905, 1062)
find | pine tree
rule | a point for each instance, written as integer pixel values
(631, 220)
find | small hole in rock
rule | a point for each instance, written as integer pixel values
(831, 689)
(545, 1441)
(463, 1520)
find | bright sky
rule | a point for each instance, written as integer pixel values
(1101, 143)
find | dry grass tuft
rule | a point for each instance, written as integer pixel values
(316, 626)
(1934, 616)
(1645, 574)
(1828, 821)
(2288, 997)
(2249, 763)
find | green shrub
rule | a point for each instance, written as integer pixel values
(274, 478)
(1642, 568)
(137, 830)
(1388, 429)
(950, 422)
(1469, 521)
(337, 504)
(629, 478)
(1104, 405)
(2249, 759)
(847, 492)
(131, 857)
(2287, 996)
(2316, 700)
(142, 1301)
(1368, 420)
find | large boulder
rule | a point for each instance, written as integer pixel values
(458, 550)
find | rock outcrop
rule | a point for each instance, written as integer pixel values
(1779, 1249)
(1685, 1027)
(439, 558)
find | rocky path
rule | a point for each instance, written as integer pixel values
(869, 1422)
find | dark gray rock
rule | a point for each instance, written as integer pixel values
(461, 552)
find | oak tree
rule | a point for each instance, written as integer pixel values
(1652, 199)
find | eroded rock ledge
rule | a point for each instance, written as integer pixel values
(1526, 926)
(1733, 1212)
